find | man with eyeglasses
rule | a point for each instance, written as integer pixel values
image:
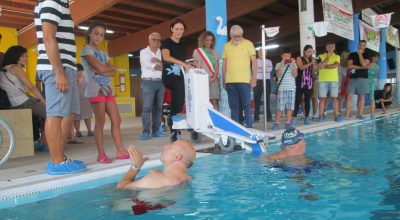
(152, 87)
(239, 71)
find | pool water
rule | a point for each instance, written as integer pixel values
(237, 186)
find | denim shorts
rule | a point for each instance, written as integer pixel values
(59, 104)
(358, 86)
(325, 88)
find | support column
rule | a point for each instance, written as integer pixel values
(306, 20)
(398, 74)
(216, 22)
(382, 76)
(352, 45)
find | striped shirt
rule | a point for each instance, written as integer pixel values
(56, 12)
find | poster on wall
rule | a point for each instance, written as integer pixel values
(371, 35)
(367, 14)
(392, 36)
(339, 13)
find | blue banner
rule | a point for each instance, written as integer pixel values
(216, 22)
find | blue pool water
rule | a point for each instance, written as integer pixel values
(237, 186)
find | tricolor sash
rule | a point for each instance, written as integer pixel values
(208, 59)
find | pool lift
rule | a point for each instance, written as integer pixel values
(202, 119)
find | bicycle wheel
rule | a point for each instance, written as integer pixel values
(7, 141)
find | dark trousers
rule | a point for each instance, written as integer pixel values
(299, 98)
(177, 86)
(258, 93)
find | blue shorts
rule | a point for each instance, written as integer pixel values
(331, 88)
(59, 104)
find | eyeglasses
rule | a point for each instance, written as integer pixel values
(236, 37)
(157, 40)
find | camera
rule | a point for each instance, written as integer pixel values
(318, 59)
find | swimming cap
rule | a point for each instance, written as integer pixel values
(291, 137)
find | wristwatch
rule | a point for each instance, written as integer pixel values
(135, 167)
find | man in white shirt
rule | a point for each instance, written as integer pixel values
(152, 87)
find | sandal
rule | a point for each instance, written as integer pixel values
(123, 157)
(104, 159)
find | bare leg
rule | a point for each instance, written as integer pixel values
(88, 123)
(322, 107)
(335, 106)
(66, 126)
(314, 106)
(340, 103)
(214, 102)
(54, 139)
(77, 125)
(289, 114)
(99, 116)
(349, 103)
(360, 104)
(112, 111)
(278, 117)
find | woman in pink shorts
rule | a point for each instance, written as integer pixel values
(98, 90)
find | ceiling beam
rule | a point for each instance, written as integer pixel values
(138, 13)
(189, 5)
(195, 20)
(80, 11)
(131, 20)
(155, 8)
(359, 5)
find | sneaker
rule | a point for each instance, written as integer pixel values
(67, 167)
(176, 118)
(288, 126)
(325, 115)
(158, 134)
(360, 117)
(276, 127)
(294, 122)
(321, 119)
(144, 137)
(373, 117)
(338, 119)
(314, 118)
(78, 134)
(90, 134)
(341, 116)
(163, 128)
(307, 121)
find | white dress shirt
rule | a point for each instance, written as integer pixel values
(147, 66)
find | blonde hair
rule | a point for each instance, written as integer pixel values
(203, 36)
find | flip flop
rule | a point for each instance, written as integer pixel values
(104, 159)
(123, 157)
(74, 142)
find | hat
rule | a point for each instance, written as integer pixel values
(291, 137)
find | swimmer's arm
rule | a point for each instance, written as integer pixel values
(155, 179)
(278, 155)
(346, 169)
(128, 178)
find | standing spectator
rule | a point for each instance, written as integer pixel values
(358, 65)
(153, 89)
(259, 89)
(304, 83)
(56, 68)
(98, 69)
(286, 71)
(328, 81)
(86, 113)
(344, 78)
(239, 70)
(373, 70)
(207, 58)
(173, 56)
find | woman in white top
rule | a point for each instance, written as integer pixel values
(14, 81)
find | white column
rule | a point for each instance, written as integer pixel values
(306, 19)
(398, 74)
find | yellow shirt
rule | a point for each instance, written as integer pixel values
(238, 66)
(329, 75)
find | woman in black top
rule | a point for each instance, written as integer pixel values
(304, 82)
(173, 57)
(383, 98)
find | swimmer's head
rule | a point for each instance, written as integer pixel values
(180, 151)
(291, 137)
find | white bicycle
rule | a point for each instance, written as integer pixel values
(7, 141)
